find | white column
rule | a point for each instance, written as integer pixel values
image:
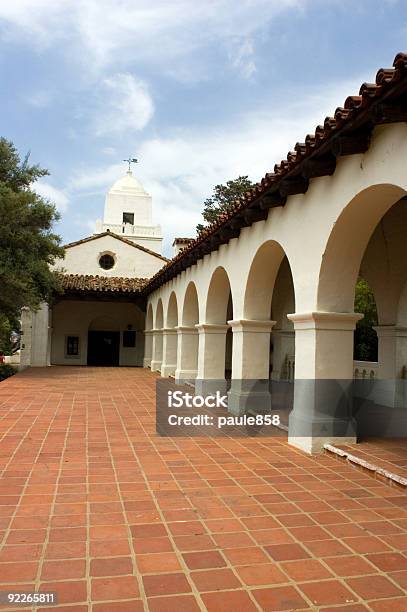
(392, 358)
(250, 366)
(211, 358)
(283, 349)
(187, 353)
(323, 378)
(50, 329)
(148, 347)
(40, 336)
(157, 350)
(169, 363)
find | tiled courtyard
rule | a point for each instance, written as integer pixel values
(98, 508)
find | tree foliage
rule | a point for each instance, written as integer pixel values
(27, 243)
(365, 346)
(222, 199)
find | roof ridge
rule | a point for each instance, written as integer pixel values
(114, 235)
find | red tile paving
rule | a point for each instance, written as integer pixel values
(97, 507)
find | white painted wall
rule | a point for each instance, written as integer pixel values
(130, 261)
(323, 257)
(35, 337)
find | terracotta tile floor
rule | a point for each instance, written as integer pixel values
(389, 454)
(95, 506)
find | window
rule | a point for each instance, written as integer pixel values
(129, 339)
(106, 261)
(128, 218)
(72, 346)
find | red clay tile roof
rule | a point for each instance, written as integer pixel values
(125, 240)
(182, 241)
(348, 131)
(88, 282)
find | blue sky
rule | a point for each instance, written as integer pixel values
(199, 92)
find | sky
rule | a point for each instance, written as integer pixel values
(200, 92)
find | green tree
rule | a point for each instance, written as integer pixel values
(222, 199)
(365, 345)
(27, 243)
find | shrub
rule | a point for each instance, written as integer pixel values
(6, 370)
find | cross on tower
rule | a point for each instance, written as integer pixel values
(130, 160)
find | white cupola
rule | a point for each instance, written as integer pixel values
(128, 212)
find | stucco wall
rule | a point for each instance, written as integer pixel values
(130, 261)
(323, 232)
(73, 318)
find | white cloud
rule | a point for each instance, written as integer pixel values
(243, 58)
(123, 104)
(99, 33)
(180, 170)
(57, 196)
(39, 99)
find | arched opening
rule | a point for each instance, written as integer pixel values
(148, 335)
(187, 350)
(190, 308)
(365, 346)
(364, 270)
(259, 355)
(172, 311)
(261, 280)
(217, 333)
(158, 337)
(149, 317)
(347, 243)
(170, 343)
(104, 342)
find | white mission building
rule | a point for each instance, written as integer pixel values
(99, 317)
(266, 293)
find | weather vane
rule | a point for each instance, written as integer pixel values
(130, 160)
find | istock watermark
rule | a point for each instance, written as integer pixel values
(182, 412)
(180, 399)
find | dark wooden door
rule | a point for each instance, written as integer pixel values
(103, 348)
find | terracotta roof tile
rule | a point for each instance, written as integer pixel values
(88, 282)
(182, 240)
(356, 108)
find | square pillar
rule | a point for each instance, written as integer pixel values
(187, 353)
(250, 367)
(283, 353)
(391, 389)
(169, 362)
(157, 350)
(211, 358)
(322, 410)
(148, 347)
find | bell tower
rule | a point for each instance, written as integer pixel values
(128, 213)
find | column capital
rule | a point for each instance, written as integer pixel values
(186, 329)
(211, 328)
(156, 330)
(169, 330)
(390, 331)
(147, 332)
(319, 320)
(251, 325)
